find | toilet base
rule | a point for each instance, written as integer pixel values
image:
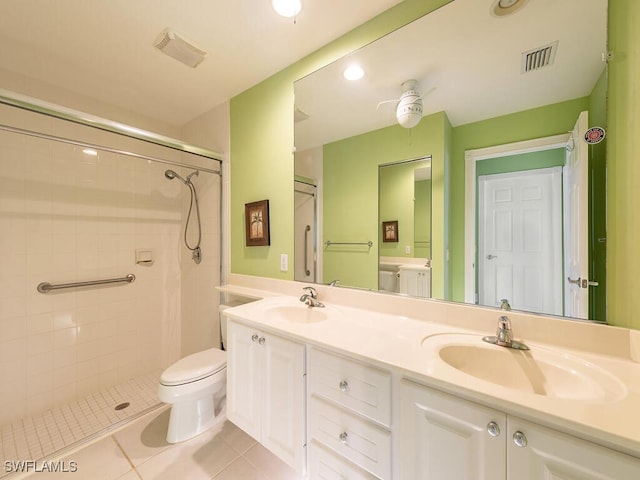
(189, 419)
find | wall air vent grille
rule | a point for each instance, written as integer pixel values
(538, 58)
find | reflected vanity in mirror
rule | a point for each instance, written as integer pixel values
(510, 214)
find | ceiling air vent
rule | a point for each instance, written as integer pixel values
(538, 58)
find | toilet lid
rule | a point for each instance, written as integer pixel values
(195, 367)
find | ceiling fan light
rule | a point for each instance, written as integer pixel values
(409, 110)
(287, 8)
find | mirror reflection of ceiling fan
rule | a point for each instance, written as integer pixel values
(409, 105)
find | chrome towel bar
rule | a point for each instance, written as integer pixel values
(328, 243)
(45, 287)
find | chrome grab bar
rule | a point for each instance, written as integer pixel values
(328, 243)
(45, 287)
(306, 252)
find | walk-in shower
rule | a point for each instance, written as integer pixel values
(196, 252)
(77, 361)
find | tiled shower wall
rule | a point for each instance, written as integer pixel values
(68, 216)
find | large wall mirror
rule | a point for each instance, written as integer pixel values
(494, 197)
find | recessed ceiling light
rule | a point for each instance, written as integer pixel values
(501, 8)
(90, 151)
(353, 72)
(287, 8)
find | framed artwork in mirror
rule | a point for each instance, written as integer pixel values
(390, 231)
(256, 216)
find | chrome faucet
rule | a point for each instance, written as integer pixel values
(504, 304)
(311, 298)
(504, 336)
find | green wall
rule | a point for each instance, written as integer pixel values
(350, 207)
(261, 157)
(623, 165)
(262, 140)
(422, 219)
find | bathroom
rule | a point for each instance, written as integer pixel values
(261, 167)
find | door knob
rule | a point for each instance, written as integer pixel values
(491, 257)
(494, 429)
(520, 439)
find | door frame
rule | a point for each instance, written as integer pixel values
(470, 158)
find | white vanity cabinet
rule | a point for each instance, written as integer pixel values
(349, 418)
(415, 280)
(535, 452)
(266, 390)
(444, 437)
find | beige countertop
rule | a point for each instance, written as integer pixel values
(396, 342)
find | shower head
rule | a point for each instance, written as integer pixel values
(170, 174)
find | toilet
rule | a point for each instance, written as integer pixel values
(195, 387)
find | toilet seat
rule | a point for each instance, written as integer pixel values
(194, 367)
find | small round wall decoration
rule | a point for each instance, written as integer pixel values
(594, 135)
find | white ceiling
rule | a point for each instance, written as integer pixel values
(103, 49)
(467, 58)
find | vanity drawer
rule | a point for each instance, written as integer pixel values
(362, 388)
(327, 465)
(356, 439)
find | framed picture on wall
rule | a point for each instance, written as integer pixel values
(256, 216)
(390, 231)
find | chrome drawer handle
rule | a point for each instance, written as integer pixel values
(343, 438)
(344, 386)
(262, 340)
(494, 429)
(254, 337)
(520, 439)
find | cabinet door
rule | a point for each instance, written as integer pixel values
(544, 454)
(443, 438)
(283, 399)
(243, 378)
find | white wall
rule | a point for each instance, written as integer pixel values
(200, 318)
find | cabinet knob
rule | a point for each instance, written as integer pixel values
(254, 337)
(262, 341)
(344, 386)
(494, 429)
(343, 438)
(520, 439)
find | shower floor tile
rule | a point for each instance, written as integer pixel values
(33, 438)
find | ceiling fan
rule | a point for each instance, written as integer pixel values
(409, 105)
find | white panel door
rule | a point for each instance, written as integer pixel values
(551, 455)
(444, 438)
(283, 406)
(520, 240)
(243, 378)
(576, 222)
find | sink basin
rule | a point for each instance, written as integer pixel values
(539, 371)
(298, 313)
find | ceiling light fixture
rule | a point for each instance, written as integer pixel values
(353, 72)
(287, 8)
(170, 43)
(501, 8)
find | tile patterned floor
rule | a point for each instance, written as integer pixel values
(139, 451)
(40, 436)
